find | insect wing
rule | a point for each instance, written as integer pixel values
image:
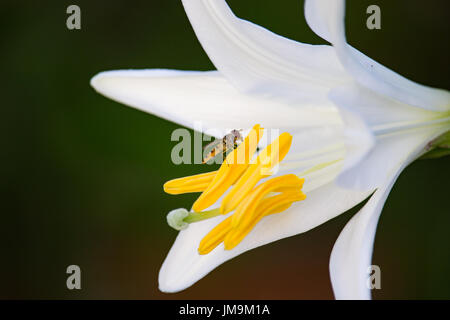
(212, 150)
(211, 146)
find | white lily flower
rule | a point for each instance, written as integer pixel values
(385, 122)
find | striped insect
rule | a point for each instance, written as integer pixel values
(221, 147)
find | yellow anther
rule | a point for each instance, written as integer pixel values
(212, 183)
(251, 214)
(234, 165)
(268, 158)
(252, 209)
(195, 183)
(215, 236)
(286, 184)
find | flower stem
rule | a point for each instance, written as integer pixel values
(203, 215)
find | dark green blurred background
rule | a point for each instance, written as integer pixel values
(81, 176)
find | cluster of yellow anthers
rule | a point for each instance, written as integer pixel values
(250, 203)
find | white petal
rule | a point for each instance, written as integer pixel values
(184, 266)
(352, 252)
(358, 138)
(361, 109)
(326, 18)
(256, 60)
(390, 150)
(319, 15)
(187, 97)
(378, 111)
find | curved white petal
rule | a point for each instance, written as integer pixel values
(364, 111)
(320, 14)
(326, 18)
(352, 252)
(378, 111)
(256, 60)
(184, 266)
(374, 167)
(187, 97)
(358, 138)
